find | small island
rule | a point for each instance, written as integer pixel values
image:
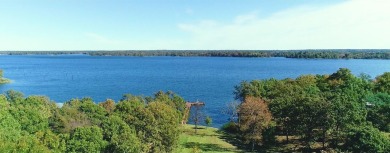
(3, 80)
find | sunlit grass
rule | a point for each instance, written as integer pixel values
(206, 140)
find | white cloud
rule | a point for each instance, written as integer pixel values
(351, 24)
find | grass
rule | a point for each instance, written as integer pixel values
(207, 140)
(212, 140)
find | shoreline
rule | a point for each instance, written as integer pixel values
(5, 81)
(298, 54)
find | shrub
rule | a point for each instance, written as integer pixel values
(367, 139)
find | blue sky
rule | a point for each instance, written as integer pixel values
(196, 24)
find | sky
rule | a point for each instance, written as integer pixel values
(193, 25)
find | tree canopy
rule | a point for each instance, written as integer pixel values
(329, 109)
(134, 124)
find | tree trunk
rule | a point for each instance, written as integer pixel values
(287, 135)
(196, 128)
(323, 137)
(309, 138)
(253, 145)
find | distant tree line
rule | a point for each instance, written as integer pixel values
(338, 112)
(322, 54)
(133, 124)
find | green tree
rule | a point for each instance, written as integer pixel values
(29, 143)
(378, 106)
(283, 101)
(95, 113)
(54, 142)
(382, 83)
(156, 123)
(120, 136)
(208, 121)
(14, 96)
(33, 113)
(171, 99)
(86, 139)
(366, 139)
(166, 121)
(10, 128)
(77, 113)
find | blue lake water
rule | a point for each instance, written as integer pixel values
(208, 79)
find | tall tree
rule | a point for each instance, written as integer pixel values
(121, 137)
(254, 119)
(197, 114)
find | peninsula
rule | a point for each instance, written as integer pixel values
(3, 80)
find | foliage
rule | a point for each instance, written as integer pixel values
(3, 80)
(379, 111)
(33, 113)
(254, 119)
(367, 139)
(322, 108)
(382, 83)
(10, 128)
(135, 124)
(120, 136)
(230, 127)
(208, 121)
(86, 139)
(108, 105)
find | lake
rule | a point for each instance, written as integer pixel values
(208, 79)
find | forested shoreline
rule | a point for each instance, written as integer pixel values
(337, 112)
(309, 54)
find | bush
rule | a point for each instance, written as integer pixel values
(230, 127)
(367, 139)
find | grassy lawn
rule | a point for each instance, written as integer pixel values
(206, 140)
(210, 140)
